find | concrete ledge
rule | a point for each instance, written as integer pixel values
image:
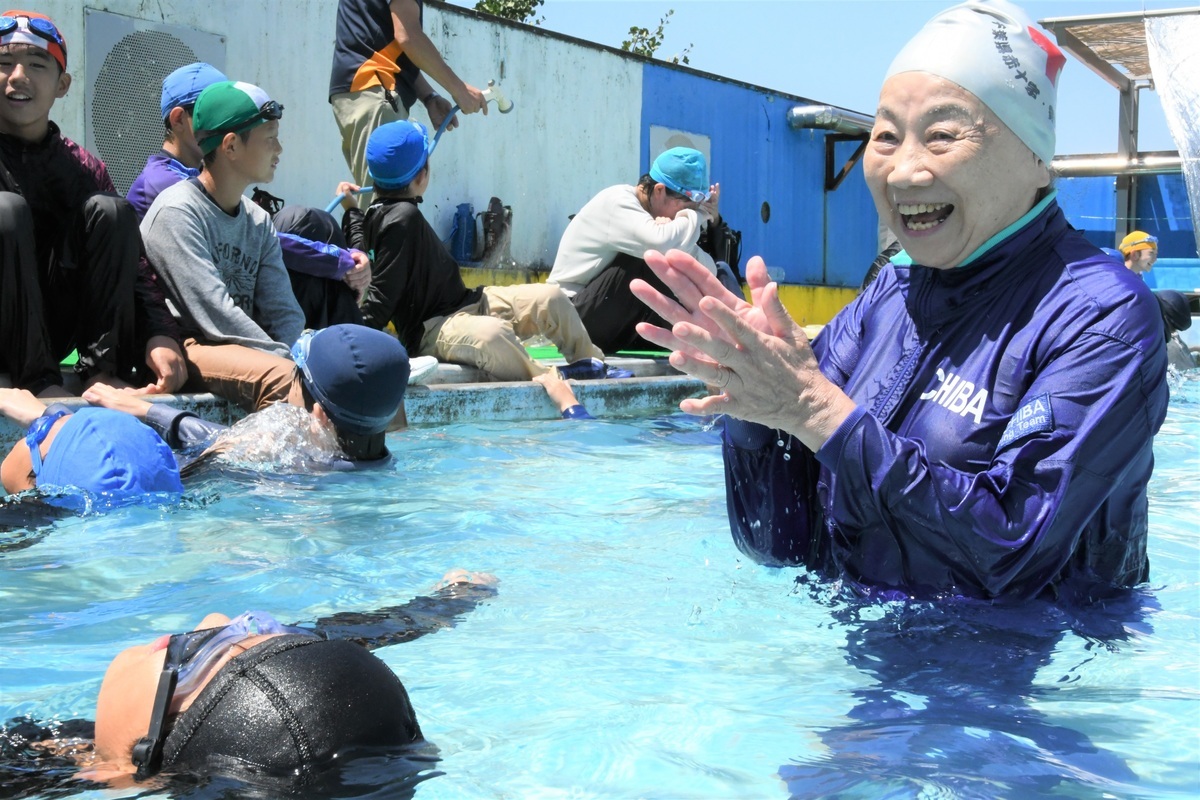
(442, 404)
(445, 403)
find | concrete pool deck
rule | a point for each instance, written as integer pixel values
(462, 394)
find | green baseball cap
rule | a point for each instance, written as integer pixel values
(230, 107)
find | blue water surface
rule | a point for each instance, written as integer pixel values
(631, 651)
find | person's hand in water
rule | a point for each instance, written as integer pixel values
(558, 389)
(105, 396)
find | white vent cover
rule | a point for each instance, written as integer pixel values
(663, 139)
(127, 60)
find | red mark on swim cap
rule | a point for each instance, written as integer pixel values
(1055, 60)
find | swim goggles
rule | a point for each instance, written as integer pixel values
(342, 417)
(267, 112)
(37, 432)
(42, 28)
(190, 658)
(1149, 239)
(695, 195)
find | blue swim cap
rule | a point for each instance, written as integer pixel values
(356, 373)
(111, 456)
(682, 170)
(183, 86)
(396, 152)
(1115, 255)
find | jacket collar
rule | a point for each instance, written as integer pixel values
(1008, 258)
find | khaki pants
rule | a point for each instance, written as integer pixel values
(488, 334)
(357, 115)
(249, 378)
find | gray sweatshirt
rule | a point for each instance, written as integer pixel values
(223, 275)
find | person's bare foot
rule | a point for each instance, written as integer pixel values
(559, 390)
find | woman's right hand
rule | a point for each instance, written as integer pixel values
(690, 282)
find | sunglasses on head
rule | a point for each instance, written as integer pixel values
(269, 111)
(190, 658)
(693, 195)
(42, 28)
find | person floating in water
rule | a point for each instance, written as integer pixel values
(89, 458)
(351, 380)
(279, 706)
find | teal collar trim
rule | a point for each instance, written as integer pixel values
(903, 259)
(1011, 229)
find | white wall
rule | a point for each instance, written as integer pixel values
(574, 128)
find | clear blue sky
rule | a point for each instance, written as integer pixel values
(837, 51)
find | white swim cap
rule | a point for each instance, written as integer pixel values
(995, 52)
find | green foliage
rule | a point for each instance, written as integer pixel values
(517, 10)
(645, 43)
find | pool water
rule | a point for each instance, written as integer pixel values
(631, 651)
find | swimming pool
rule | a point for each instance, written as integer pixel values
(631, 651)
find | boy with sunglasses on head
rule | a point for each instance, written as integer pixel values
(601, 250)
(71, 272)
(216, 250)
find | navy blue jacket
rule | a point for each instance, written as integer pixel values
(1002, 442)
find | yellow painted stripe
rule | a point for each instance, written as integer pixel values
(815, 305)
(808, 305)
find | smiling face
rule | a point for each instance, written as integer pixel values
(30, 82)
(945, 173)
(1141, 261)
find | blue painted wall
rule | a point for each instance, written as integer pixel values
(811, 237)
(1162, 210)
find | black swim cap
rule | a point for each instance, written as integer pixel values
(287, 708)
(1175, 311)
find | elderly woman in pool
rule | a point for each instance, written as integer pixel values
(979, 421)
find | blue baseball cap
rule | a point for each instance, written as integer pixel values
(183, 86)
(684, 171)
(110, 455)
(396, 152)
(359, 376)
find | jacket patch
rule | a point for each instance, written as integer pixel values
(958, 395)
(1034, 416)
